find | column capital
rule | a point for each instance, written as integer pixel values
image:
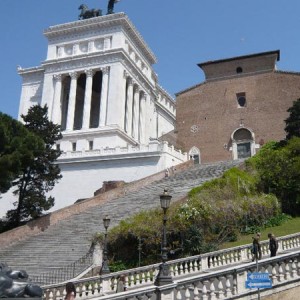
(89, 72)
(130, 81)
(73, 75)
(105, 70)
(144, 96)
(57, 77)
(125, 74)
(137, 89)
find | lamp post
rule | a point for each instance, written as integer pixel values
(164, 276)
(105, 268)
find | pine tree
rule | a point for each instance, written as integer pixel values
(17, 146)
(39, 173)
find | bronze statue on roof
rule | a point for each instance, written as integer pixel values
(87, 13)
(110, 6)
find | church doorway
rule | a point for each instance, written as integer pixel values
(243, 145)
(194, 154)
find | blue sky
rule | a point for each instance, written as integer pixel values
(181, 33)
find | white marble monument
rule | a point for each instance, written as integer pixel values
(99, 85)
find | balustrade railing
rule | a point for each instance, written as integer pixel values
(143, 277)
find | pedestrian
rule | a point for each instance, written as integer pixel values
(71, 291)
(273, 244)
(121, 287)
(256, 247)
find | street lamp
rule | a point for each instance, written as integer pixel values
(105, 268)
(164, 276)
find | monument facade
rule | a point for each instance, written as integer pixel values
(99, 85)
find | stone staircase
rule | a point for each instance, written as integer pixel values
(69, 239)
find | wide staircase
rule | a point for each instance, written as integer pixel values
(69, 239)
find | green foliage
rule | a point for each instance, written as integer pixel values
(216, 212)
(293, 121)
(17, 147)
(277, 220)
(38, 172)
(235, 182)
(277, 168)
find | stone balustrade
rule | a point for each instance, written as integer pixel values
(190, 274)
(152, 147)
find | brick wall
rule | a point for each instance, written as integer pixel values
(213, 108)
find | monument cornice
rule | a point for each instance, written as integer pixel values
(107, 21)
(98, 60)
(98, 132)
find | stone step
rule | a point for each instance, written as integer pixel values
(67, 241)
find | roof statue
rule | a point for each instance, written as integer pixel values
(87, 13)
(14, 284)
(110, 6)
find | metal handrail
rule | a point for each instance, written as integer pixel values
(64, 273)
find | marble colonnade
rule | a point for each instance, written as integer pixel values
(135, 99)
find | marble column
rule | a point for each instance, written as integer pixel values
(135, 118)
(142, 119)
(87, 99)
(104, 96)
(56, 108)
(72, 101)
(128, 122)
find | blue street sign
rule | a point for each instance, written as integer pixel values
(258, 284)
(257, 276)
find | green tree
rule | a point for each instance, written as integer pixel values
(278, 170)
(17, 145)
(293, 121)
(39, 173)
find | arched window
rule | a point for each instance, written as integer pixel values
(194, 154)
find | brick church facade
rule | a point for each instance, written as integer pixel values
(241, 105)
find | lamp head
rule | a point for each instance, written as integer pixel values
(165, 199)
(106, 222)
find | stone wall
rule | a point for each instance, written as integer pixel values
(43, 223)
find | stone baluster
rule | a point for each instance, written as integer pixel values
(87, 99)
(51, 296)
(104, 96)
(287, 270)
(220, 292)
(97, 289)
(212, 289)
(204, 291)
(56, 109)
(135, 118)
(57, 294)
(280, 272)
(196, 293)
(72, 101)
(228, 286)
(178, 294)
(294, 268)
(187, 294)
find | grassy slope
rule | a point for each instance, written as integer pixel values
(289, 227)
